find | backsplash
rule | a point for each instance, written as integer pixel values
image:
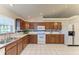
(46, 30)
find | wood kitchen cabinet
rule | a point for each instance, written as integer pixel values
(24, 25)
(62, 39)
(31, 25)
(22, 43)
(48, 25)
(51, 25)
(55, 38)
(17, 47)
(21, 24)
(25, 41)
(57, 26)
(50, 38)
(33, 39)
(11, 49)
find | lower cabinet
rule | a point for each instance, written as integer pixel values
(11, 49)
(16, 47)
(62, 39)
(25, 41)
(55, 38)
(19, 46)
(33, 39)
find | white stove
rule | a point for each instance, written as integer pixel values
(41, 34)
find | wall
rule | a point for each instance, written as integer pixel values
(65, 23)
(6, 13)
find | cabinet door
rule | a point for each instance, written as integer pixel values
(55, 26)
(53, 39)
(25, 41)
(11, 49)
(19, 23)
(48, 38)
(57, 39)
(33, 39)
(31, 25)
(22, 25)
(47, 25)
(62, 39)
(51, 25)
(59, 25)
(20, 47)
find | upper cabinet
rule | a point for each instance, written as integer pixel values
(21, 24)
(48, 25)
(53, 25)
(31, 25)
(57, 26)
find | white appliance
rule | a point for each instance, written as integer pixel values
(70, 38)
(74, 40)
(41, 34)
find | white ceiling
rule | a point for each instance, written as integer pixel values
(51, 10)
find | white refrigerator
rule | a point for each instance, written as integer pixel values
(74, 40)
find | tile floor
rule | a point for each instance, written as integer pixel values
(50, 49)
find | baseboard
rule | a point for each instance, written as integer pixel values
(72, 45)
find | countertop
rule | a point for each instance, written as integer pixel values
(46, 33)
(19, 36)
